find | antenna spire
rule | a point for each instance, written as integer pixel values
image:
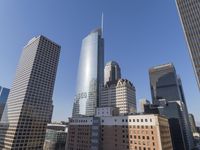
(102, 23)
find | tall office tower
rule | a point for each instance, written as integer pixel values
(112, 72)
(192, 123)
(121, 94)
(143, 102)
(131, 132)
(164, 83)
(189, 12)
(4, 92)
(90, 74)
(24, 121)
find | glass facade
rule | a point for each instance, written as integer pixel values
(90, 74)
(4, 92)
(55, 140)
(164, 83)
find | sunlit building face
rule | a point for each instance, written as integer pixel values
(90, 74)
(189, 12)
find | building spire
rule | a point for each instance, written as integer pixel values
(102, 23)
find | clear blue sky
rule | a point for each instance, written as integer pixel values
(138, 34)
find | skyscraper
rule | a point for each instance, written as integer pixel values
(167, 91)
(117, 92)
(189, 12)
(121, 95)
(25, 117)
(164, 83)
(90, 74)
(4, 92)
(112, 72)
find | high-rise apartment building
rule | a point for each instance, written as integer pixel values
(25, 117)
(164, 83)
(90, 74)
(189, 12)
(132, 132)
(121, 94)
(112, 72)
(4, 92)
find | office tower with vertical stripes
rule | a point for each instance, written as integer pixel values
(25, 117)
(189, 12)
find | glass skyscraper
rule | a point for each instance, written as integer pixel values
(189, 12)
(167, 90)
(165, 83)
(90, 74)
(29, 104)
(4, 92)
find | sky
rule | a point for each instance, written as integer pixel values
(138, 34)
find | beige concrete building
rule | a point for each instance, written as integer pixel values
(121, 94)
(29, 105)
(189, 15)
(133, 132)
